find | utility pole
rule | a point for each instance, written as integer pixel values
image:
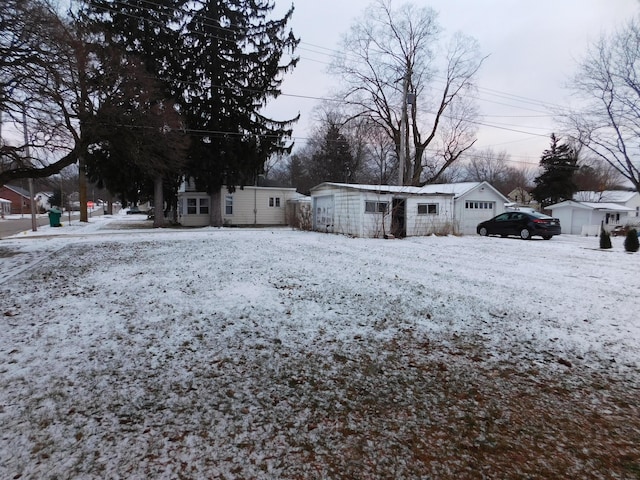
(403, 131)
(34, 223)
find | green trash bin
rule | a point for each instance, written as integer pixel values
(54, 217)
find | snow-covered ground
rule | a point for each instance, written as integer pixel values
(135, 353)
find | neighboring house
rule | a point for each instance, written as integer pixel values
(521, 196)
(5, 207)
(246, 206)
(19, 197)
(382, 210)
(42, 201)
(585, 214)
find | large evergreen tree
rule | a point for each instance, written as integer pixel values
(233, 64)
(142, 145)
(555, 183)
(333, 161)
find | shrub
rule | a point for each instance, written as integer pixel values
(605, 239)
(631, 242)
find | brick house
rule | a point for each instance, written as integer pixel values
(19, 198)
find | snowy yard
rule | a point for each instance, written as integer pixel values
(276, 354)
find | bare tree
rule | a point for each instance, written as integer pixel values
(608, 80)
(35, 57)
(391, 66)
(493, 167)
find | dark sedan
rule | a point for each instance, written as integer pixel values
(522, 224)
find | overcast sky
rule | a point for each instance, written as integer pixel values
(533, 48)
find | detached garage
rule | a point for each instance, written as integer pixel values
(586, 218)
(474, 202)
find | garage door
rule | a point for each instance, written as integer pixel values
(323, 213)
(475, 212)
(578, 220)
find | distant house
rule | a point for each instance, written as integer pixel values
(19, 197)
(521, 196)
(589, 210)
(382, 210)
(43, 200)
(246, 206)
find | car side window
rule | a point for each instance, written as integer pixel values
(502, 218)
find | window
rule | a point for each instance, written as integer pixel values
(228, 205)
(479, 205)
(375, 207)
(197, 206)
(192, 206)
(274, 201)
(427, 209)
(204, 206)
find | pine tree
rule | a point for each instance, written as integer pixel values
(631, 243)
(555, 183)
(333, 161)
(605, 238)
(233, 65)
(137, 126)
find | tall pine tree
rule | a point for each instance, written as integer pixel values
(333, 161)
(233, 64)
(141, 145)
(555, 183)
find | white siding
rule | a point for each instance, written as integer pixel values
(251, 206)
(427, 224)
(376, 224)
(467, 219)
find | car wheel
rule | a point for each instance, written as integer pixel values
(483, 231)
(547, 237)
(525, 234)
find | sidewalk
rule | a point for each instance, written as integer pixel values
(99, 224)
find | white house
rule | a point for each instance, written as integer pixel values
(381, 210)
(589, 210)
(246, 206)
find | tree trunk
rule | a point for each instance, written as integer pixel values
(216, 208)
(158, 203)
(82, 189)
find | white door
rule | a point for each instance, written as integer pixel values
(323, 213)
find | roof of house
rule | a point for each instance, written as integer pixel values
(450, 189)
(18, 190)
(4, 200)
(602, 206)
(612, 196)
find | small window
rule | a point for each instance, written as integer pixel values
(427, 209)
(228, 205)
(274, 202)
(375, 207)
(204, 206)
(192, 206)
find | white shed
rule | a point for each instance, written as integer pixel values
(378, 210)
(586, 218)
